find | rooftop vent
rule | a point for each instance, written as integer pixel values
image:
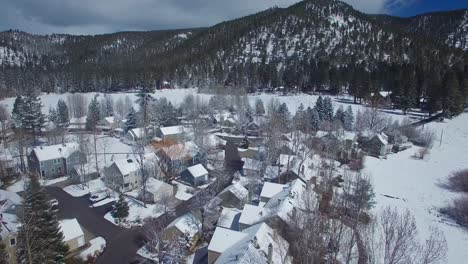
(130, 161)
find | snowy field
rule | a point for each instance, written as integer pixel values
(176, 96)
(416, 184)
(79, 190)
(137, 213)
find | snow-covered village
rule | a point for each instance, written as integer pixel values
(234, 132)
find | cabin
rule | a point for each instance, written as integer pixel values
(377, 145)
(382, 99)
(109, 123)
(55, 161)
(195, 175)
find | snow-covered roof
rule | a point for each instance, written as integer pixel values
(56, 151)
(252, 214)
(383, 138)
(136, 132)
(197, 171)
(9, 224)
(228, 217)
(71, 229)
(154, 186)
(78, 120)
(224, 238)
(187, 224)
(252, 164)
(181, 150)
(127, 166)
(110, 119)
(253, 247)
(13, 197)
(238, 190)
(172, 130)
(271, 189)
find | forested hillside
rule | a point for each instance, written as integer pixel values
(312, 45)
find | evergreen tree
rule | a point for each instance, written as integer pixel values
(53, 117)
(17, 112)
(4, 256)
(131, 122)
(259, 107)
(339, 115)
(94, 114)
(62, 113)
(300, 119)
(314, 119)
(327, 109)
(121, 208)
(39, 237)
(319, 107)
(453, 104)
(109, 106)
(31, 114)
(348, 119)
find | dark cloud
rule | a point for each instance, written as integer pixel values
(103, 16)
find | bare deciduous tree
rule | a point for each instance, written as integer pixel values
(77, 105)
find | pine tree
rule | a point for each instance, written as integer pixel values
(94, 114)
(327, 109)
(339, 115)
(121, 208)
(62, 114)
(31, 114)
(259, 107)
(300, 119)
(17, 112)
(313, 118)
(40, 239)
(319, 107)
(454, 103)
(131, 122)
(348, 119)
(109, 105)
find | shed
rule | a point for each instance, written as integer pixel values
(195, 175)
(156, 190)
(72, 233)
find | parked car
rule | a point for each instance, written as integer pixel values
(96, 197)
(54, 203)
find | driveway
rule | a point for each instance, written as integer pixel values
(122, 243)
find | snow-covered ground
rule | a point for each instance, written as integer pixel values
(79, 190)
(137, 213)
(176, 96)
(416, 184)
(183, 191)
(19, 185)
(97, 246)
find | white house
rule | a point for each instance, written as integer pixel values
(269, 190)
(171, 133)
(72, 233)
(134, 134)
(109, 123)
(195, 175)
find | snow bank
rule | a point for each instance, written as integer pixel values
(79, 190)
(97, 246)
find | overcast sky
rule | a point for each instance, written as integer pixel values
(105, 16)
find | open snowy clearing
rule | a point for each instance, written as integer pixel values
(79, 190)
(19, 185)
(176, 96)
(137, 213)
(416, 184)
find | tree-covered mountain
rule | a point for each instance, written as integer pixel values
(312, 45)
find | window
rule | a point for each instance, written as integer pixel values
(12, 241)
(53, 170)
(126, 185)
(42, 164)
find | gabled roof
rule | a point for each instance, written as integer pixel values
(253, 246)
(71, 229)
(229, 218)
(9, 224)
(154, 186)
(172, 130)
(238, 190)
(110, 119)
(56, 151)
(127, 166)
(78, 120)
(13, 197)
(271, 189)
(224, 238)
(188, 224)
(252, 164)
(197, 171)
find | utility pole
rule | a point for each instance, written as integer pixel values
(441, 135)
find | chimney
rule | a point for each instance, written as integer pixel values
(270, 253)
(255, 242)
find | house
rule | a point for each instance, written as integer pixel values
(177, 156)
(171, 133)
(109, 123)
(56, 160)
(123, 175)
(77, 123)
(229, 218)
(279, 209)
(9, 201)
(377, 145)
(134, 135)
(8, 167)
(195, 175)
(252, 167)
(382, 98)
(9, 231)
(260, 244)
(73, 235)
(269, 190)
(235, 195)
(157, 190)
(187, 226)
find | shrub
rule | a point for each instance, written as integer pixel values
(458, 180)
(458, 211)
